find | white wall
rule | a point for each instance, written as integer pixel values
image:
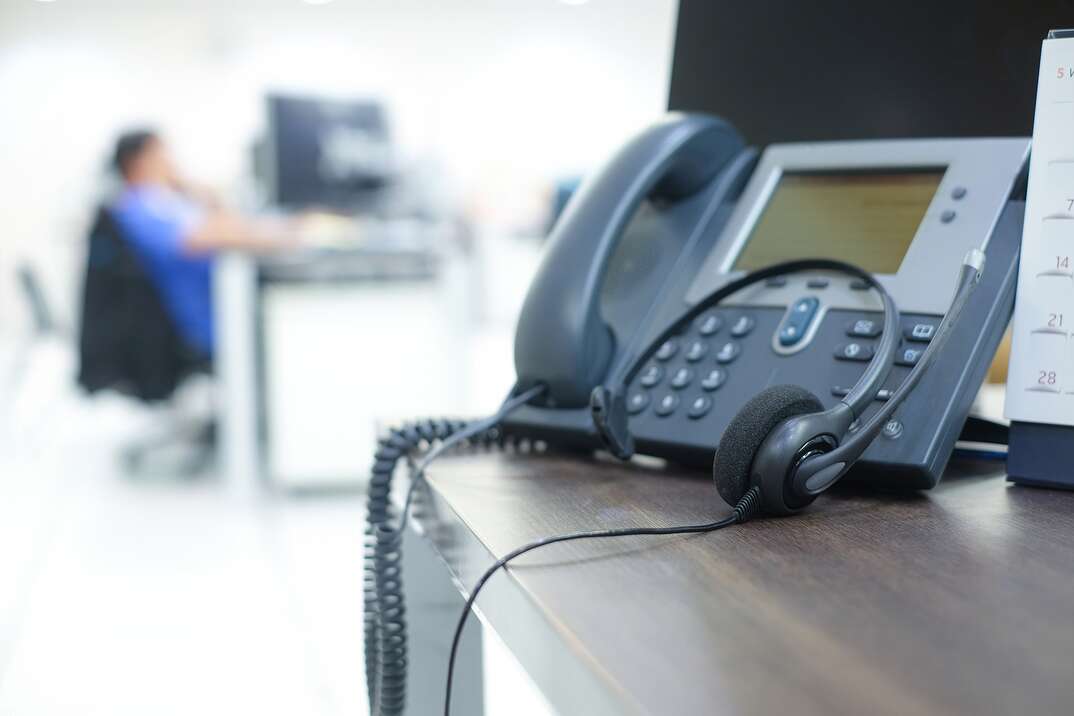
(500, 92)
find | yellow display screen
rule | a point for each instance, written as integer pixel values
(866, 218)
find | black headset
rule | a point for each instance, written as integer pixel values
(782, 441)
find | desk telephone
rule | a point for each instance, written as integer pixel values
(685, 208)
(680, 311)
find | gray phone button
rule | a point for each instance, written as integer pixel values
(909, 356)
(709, 324)
(743, 325)
(728, 352)
(893, 429)
(715, 378)
(651, 376)
(864, 328)
(667, 405)
(682, 378)
(637, 402)
(696, 351)
(854, 351)
(922, 332)
(667, 351)
(700, 407)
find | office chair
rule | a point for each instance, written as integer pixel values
(44, 321)
(43, 327)
(129, 343)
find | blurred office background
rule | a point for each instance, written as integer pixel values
(144, 580)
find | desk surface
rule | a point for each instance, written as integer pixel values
(958, 600)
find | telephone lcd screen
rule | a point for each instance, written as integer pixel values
(866, 218)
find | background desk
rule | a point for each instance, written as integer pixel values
(952, 601)
(315, 345)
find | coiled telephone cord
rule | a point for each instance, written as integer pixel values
(384, 619)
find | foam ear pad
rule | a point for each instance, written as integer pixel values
(749, 428)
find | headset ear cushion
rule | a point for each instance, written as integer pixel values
(749, 428)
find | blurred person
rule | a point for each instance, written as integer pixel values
(177, 230)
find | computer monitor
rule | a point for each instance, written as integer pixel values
(325, 153)
(786, 70)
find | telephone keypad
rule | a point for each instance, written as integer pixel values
(688, 391)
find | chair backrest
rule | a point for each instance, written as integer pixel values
(127, 339)
(44, 321)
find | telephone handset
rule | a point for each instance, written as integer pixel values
(562, 340)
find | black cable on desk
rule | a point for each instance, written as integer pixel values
(743, 511)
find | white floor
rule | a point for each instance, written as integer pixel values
(153, 596)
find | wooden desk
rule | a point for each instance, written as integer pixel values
(954, 601)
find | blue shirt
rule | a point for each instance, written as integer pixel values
(156, 222)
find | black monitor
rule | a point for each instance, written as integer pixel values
(325, 153)
(788, 70)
